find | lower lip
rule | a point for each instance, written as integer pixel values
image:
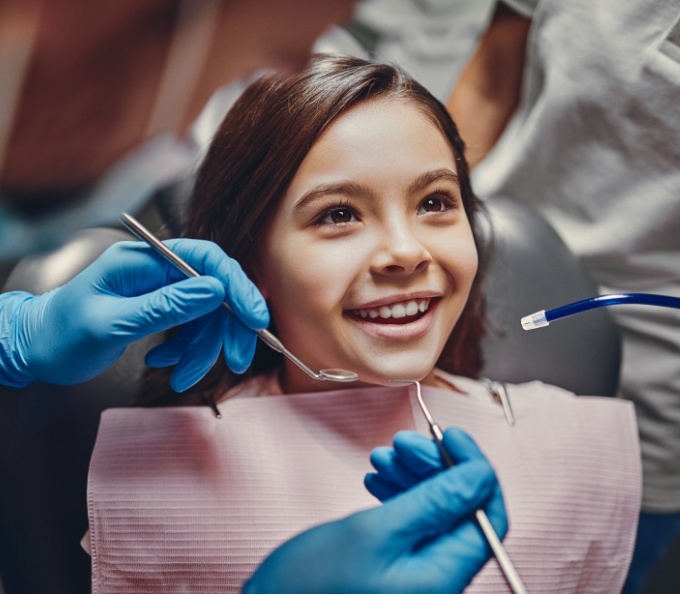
(398, 332)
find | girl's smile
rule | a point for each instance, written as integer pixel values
(368, 260)
(396, 318)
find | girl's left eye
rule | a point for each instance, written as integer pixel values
(436, 203)
(337, 215)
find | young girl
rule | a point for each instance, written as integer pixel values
(344, 194)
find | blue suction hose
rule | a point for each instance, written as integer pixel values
(543, 318)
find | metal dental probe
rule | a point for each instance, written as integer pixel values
(141, 232)
(508, 569)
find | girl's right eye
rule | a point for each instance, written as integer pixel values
(336, 215)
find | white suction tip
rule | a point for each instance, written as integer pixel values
(535, 320)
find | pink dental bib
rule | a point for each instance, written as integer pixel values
(180, 501)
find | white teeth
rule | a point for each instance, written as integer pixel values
(399, 310)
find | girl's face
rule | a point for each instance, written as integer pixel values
(369, 258)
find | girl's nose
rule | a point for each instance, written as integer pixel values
(401, 252)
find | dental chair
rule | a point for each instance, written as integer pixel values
(47, 432)
(531, 269)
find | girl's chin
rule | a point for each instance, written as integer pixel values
(389, 377)
(383, 369)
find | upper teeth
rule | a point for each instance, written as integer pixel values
(399, 310)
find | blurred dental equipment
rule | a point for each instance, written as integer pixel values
(543, 318)
(332, 375)
(504, 561)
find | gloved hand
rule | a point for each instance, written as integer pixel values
(74, 332)
(414, 458)
(421, 540)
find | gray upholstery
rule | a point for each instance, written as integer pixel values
(47, 432)
(532, 269)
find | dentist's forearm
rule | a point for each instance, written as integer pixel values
(488, 91)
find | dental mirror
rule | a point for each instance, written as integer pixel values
(338, 375)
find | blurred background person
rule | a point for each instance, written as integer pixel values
(98, 98)
(571, 108)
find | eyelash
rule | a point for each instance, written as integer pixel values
(339, 206)
(448, 202)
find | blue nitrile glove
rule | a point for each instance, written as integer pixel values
(74, 332)
(421, 540)
(414, 458)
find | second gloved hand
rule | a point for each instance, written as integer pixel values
(74, 332)
(423, 539)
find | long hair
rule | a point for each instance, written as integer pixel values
(257, 151)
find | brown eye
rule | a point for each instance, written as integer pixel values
(341, 215)
(337, 215)
(437, 202)
(432, 205)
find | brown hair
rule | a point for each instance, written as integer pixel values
(256, 153)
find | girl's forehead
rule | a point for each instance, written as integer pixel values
(371, 116)
(384, 134)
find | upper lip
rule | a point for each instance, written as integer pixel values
(393, 299)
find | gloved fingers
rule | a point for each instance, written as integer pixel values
(242, 295)
(166, 307)
(442, 501)
(468, 532)
(466, 543)
(239, 345)
(391, 471)
(132, 268)
(196, 346)
(129, 269)
(381, 488)
(417, 452)
(422, 457)
(199, 355)
(169, 352)
(460, 446)
(413, 459)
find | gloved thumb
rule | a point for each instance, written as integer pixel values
(170, 306)
(442, 501)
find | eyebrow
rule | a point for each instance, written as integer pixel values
(351, 188)
(429, 177)
(347, 188)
